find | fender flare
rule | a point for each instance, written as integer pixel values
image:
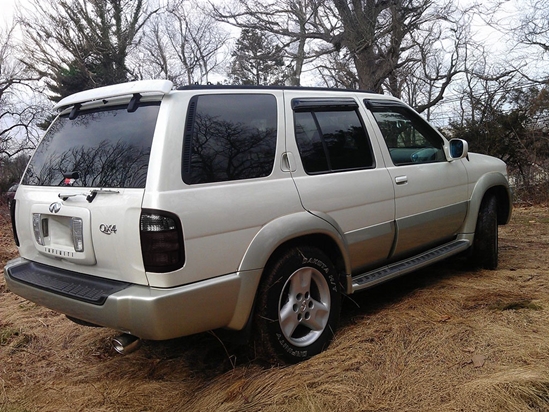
(482, 186)
(286, 228)
(269, 238)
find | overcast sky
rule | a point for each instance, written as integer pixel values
(7, 10)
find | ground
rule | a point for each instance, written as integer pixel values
(442, 339)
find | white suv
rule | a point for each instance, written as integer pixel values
(162, 213)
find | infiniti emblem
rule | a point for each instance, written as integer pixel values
(55, 207)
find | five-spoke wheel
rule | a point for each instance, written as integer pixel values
(299, 304)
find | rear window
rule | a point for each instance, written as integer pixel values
(107, 147)
(331, 140)
(229, 137)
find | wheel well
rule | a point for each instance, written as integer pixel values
(503, 202)
(323, 242)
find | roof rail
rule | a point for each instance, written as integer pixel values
(211, 86)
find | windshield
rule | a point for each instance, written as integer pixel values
(107, 147)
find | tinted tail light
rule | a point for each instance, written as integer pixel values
(12, 216)
(161, 241)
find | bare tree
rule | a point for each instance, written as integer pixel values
(378, 38)
(523, 27)
(79, 44)
(439, 55)
(532, 31)
(300, 26)
(336, 69)
(19, 111)
(485, 91)
(533, 25)
(184, 44)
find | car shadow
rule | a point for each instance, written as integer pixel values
(391, 292)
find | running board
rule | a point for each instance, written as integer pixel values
(394, 270)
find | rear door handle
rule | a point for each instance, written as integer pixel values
(401, 180)
(288, 162)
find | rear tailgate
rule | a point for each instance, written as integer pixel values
(100, 238)
(79, 203)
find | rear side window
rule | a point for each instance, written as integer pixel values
(107, 147)
(229, 137)
(331, 138)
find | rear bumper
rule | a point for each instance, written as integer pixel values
(149, 313)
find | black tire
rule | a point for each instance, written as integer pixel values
(298, 306)
(485, 245)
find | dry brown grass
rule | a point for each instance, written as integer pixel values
(443, 339)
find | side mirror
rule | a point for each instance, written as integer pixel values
(458, 149)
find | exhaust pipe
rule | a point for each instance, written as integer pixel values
(126, 343)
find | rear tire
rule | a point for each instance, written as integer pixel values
(485, 244)
(298, 305)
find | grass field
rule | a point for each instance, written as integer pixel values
(442, 339)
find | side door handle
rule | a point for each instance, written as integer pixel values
(401, 180)
(288, 163)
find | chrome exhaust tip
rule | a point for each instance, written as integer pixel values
(126, 343)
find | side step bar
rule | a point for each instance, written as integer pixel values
(394, 270)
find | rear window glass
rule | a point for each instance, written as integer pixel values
(109, 147)
(330, 141)
(229, 137)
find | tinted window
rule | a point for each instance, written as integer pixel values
(99, 148)
(229, 137)
(408, 137)
(332, 140)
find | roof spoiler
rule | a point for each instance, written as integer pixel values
(158, 87)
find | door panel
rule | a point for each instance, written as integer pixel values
(430, 191)
(340, 175)
(361, 203)
(430, 206)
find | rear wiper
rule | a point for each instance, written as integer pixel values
(90, 195)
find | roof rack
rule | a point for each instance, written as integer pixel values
(254, 87)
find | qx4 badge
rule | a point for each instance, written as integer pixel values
(107, 229)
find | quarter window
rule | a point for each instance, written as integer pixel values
(229, 137)
(331, 140)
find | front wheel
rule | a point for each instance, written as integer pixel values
(298, 305)
(485, 243)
